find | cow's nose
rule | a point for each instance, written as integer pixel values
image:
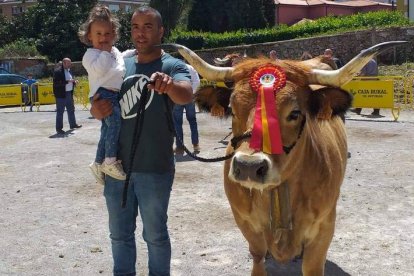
(254, 169)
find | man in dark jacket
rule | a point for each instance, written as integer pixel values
(369, 70)
(63, 85)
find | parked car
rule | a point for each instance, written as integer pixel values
(11, 79)
(4, 71)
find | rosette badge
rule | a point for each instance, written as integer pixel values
(267, 81)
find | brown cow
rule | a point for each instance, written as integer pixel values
(312, 166)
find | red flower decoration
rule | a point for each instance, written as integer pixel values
(266, 136)
(269, 75)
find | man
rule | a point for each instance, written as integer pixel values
(190, 114)
(369, 70)
(63, 85)
(329, 54)
(273, 55)
(161, 77)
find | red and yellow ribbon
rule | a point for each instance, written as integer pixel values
(267, 81)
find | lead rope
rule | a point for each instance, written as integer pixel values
(192, 155)
(135, 141)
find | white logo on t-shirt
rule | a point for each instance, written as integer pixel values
(133, 95)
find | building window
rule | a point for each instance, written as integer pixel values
(113, 8)
(17, 10)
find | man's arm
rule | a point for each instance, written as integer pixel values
(180, 92)
(59, 78)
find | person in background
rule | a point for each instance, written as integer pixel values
(369, 70)
(31, 90)
(273, 55)
(190, 114)
(306, 55)
(63, 86)
(159, 79)
(329, 54)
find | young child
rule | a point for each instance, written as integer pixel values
(106, 68)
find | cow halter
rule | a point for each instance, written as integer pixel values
(248, 134)
(267, 81)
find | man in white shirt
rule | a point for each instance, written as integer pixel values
(63, 85)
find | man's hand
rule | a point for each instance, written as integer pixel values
(160, 82)
(101, 108)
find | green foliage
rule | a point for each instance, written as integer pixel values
(52, 25)
(326, 25)
(221, 16)
(124, 41)
(196, 20)
(3, 30)
(19, 48)
(269, 12)
(58, 24)
(170, 11)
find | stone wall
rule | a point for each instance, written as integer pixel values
(345, 46)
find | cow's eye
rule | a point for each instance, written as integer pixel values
(294, 115)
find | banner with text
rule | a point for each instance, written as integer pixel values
(371, 93)
(11, 94)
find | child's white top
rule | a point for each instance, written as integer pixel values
(105, 69)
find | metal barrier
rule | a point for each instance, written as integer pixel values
(30, 96)
(81, 94)
(408, 92)
(205, 82)
(380, 92)
(39, 94)
(11, 94)
(394, 92)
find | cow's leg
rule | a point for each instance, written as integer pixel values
(257, 248)
(314, 255)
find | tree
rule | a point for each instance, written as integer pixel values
(255, 16)
(124, 41)
(54, 24)
(170, 11)
(4, 38)
(269, 12)
(230, 15)
(198, 17)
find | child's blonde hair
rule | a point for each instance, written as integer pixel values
(98, 13)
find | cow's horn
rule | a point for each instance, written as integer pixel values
(337, 78)
(221, 61)
(208, 71)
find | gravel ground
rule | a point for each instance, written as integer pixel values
(54, 222)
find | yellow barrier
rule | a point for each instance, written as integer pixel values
(45, 93)
(376, 92)
(30, 96)
(11, 94)
(408, 89)
(81, 94)
(205, 82)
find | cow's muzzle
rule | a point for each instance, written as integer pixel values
(252, 170)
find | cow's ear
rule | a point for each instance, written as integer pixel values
(210, 98)
(327, 102)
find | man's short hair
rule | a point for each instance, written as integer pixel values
(147, 9)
